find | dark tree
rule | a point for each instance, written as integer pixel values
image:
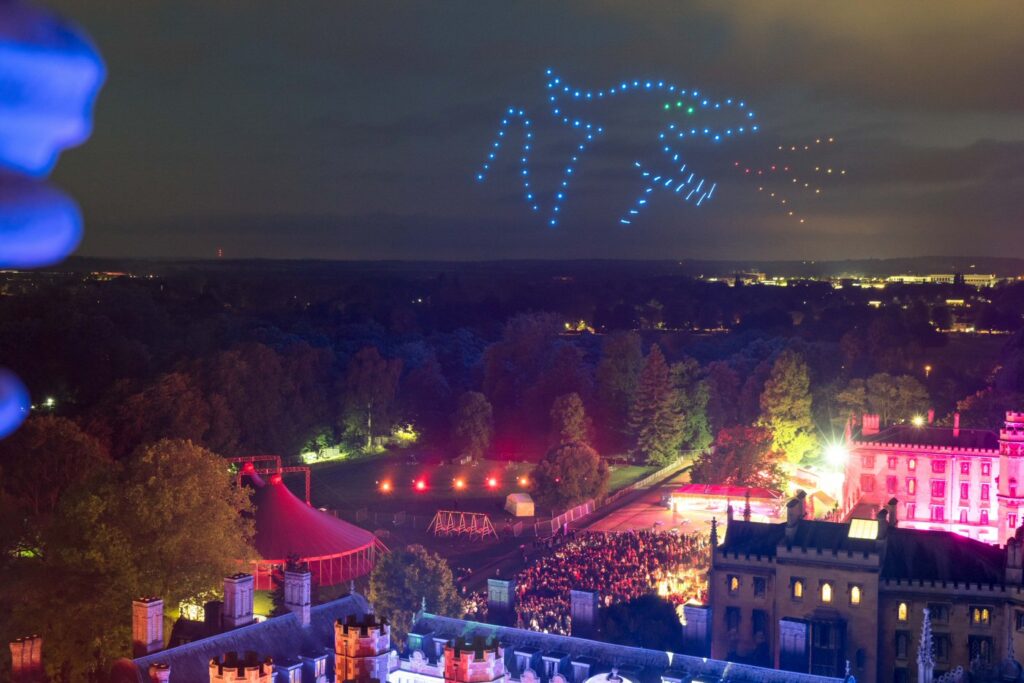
(472, 425)
(648, 621)
(569, 421)
(568, 475)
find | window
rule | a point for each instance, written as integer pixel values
(1019, 620)
(965, 491)
(867, 462)
(892, 485)
(1011, 521)
(965, 467)
(911, 511)
(938, 513)
(798, 589)
(986, 468)
(984, 516)
(826, 591)
(940, 642)
(980, 648)
(902, 644)
(912, 464)
(911, 485)
(985, 492)
(892, 461)
(734, 584)
(759, 623)
(855, 594)
(980, 616)
(760, 586)
(938, 612)
(863, 528)
(732, 618)
(867, 483)
(901, 612)
(963, 515)
(938, 488)
(938, 466)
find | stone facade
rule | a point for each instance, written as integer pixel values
(361, 648)
(232, 668)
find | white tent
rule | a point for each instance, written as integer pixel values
(519, 504)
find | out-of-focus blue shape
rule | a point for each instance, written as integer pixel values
(39, 225)
(14, 402)
(49, 77)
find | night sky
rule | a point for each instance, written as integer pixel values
(350, 130)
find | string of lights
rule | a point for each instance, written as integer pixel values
(684, 102)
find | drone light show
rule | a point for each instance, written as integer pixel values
(795, 175)
(689, 115)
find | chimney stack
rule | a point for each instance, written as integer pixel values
(1014, 563)
(891, 509)
(883, 523)
(869, 424)
(795, 512)
(238, 600)
(27, 660)
(147, 626)
(956, 424)
(159, 673)
(297, 589)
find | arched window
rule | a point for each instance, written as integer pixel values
(734, 584)
(826, 592)
(901, 612)
(798, 589)
(855, 595)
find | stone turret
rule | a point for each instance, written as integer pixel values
(477, 661)
(239, 599)
(1011, 475)
(361, 647)
(297, 589)
(247, 669)
(1015, 558)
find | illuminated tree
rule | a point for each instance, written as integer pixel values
(652, 416)
(167, 523)
(568, 475)
(369, 392)
(786, 408)
(618, 371)
(569, 421)
(404, 578)
(742, 456)
(46, 457)
(473, 425)
(691, 405)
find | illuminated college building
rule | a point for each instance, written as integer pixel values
(946, 478)
(869, 597)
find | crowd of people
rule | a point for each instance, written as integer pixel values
(618, 566)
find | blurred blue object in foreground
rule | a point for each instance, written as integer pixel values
(49, 77)
(14, 402)
(39, 225)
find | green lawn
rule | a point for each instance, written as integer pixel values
(624, 475)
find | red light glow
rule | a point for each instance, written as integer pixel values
(275, 479)
(385, 486)
(421, 485)
(523, 481)
(460, 483)
(492, 483)
(248, 468)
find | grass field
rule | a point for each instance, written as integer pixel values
(419, 488)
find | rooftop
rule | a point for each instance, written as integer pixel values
(909, 553)
(280, 638)
(942, 437)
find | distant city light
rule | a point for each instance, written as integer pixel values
(50, 402)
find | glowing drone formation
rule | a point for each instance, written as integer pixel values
(674, 177)
(793, 177)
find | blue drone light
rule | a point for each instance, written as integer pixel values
(674, 181)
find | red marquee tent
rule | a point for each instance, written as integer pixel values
(335, 550)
